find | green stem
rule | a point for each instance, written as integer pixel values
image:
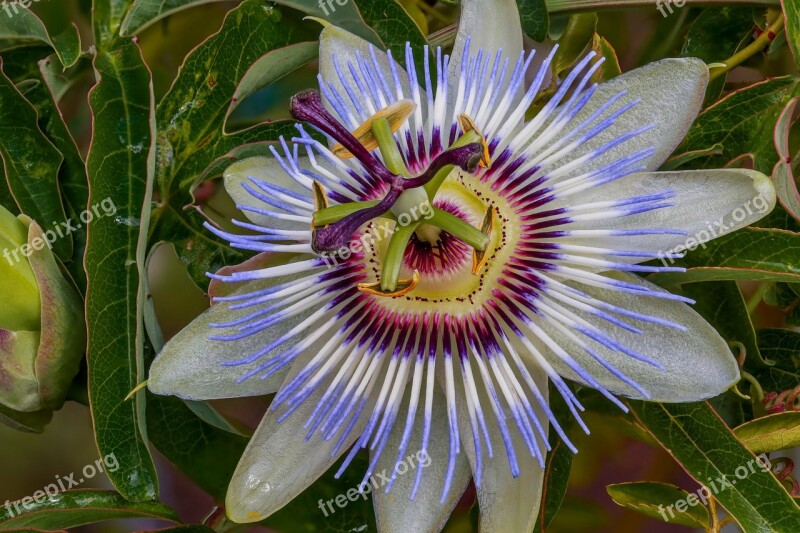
(761, 42)
(394, 256)
(332, 214)
(459, 229)
(432, 187)
(755, 300)
(391, 154)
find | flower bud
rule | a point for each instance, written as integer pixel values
(42, 329)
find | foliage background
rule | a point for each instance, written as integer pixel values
(747, 283)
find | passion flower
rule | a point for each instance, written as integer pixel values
(439, 258)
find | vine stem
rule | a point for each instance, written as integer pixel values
(755, 300)
(761, 42)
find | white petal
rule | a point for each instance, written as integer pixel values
(191, 365)
(708, 204)
(697, 362)
(278, 464)
(671, 93)
(392, 509)
(267, 169)
(506, 503)
(340, 47)
(490, 25)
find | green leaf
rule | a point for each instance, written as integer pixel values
(791, 11)
(715, 35)
(144, 13)
(534, 19)
(48, 81)
(345, 16)
(782, 348)
(558, 465)
(557, 468)
(208, 455)
(61, 80)
(610, 68)
(31, 164)
(107, 16)
(120, 165)
(72, 174)
(747, 254)
(771, 433)
(191, 116)
(24, 26)
(273, 66)
(195, 246)
(394, 26)
(577, 37)
(782, 174)
(653, 499)
(74, 508)
(721, 303)
(742, 122)
(707, 449)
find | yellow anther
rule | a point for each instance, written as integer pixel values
(396, 115)
(404, 286)
(320, 199)
(479, 258)
(467, 125)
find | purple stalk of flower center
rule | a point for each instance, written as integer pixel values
(307, 106)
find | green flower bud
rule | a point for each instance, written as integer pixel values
(42, 328)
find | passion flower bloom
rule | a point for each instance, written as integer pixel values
(431, 259)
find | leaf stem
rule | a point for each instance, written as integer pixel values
(761, 42)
